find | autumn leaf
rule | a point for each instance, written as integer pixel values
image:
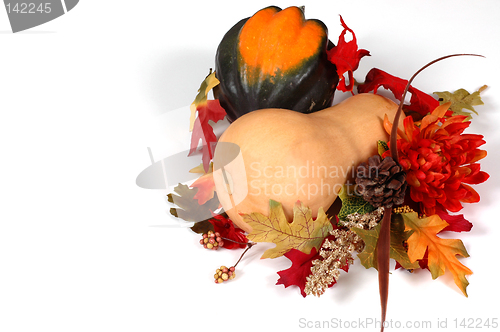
(462, 99)
(398, 236)
(188, 207)
(303, 233)
(296, 274)
(420, 102)
(382, 147)
(201, 98)
(456, 222)
(351, 203)
(202, 227)
(205, 184)
(346, 56)
(442, 253)
(368, 257)
(208, 110)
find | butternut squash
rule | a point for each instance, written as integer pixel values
(289, 156)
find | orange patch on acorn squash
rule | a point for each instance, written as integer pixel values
(274, 41)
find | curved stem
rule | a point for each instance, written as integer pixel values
(250, 245)
(384, 240)
(225, 238)
(395, 124)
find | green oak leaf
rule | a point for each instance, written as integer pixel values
(352, 203)
(368, 257)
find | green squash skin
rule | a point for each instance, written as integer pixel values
(307, 88)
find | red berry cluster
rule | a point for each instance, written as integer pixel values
(212, 240)
(223, 274)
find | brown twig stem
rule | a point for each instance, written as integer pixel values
(384, 240)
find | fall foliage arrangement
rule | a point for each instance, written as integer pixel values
(322, 181)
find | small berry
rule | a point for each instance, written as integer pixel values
(211, 238)
(223, 274)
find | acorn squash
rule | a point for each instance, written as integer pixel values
(275, 59)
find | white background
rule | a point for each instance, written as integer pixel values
(82, 248)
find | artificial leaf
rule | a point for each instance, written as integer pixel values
(456, 222)
(205, 184)
(368, 257)
(442, 253)
(234, 238)
(352, 203)
(420, 102)
(301, 268)
(382, 147)
(202, 227)
(201, 98)
(462, 99)
(399, 236)
(303, 233)
(208, 110)
(346, 56)
(189, 208)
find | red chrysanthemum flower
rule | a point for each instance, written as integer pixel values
(440, 160)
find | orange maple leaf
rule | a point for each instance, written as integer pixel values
(205, 184)
(442, 253)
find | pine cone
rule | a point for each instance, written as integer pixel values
(381, 182)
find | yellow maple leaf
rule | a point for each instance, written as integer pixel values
(303, 233)
(442, 253)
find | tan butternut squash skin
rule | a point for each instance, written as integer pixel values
(289, 156)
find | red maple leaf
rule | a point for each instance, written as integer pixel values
(296, 274)
(346, 56)
(301, 268)
(202, 130)
(227, 230)
(420, 102)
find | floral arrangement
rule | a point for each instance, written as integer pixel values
(401, 198)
